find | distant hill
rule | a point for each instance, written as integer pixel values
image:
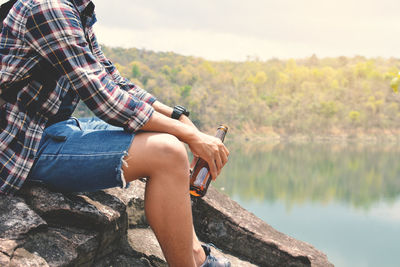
(309, 96)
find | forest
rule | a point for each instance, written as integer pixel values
(342, 96)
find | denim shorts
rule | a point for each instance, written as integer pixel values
(81, 155)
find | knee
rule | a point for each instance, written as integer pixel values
(154, 154)
(171, 150)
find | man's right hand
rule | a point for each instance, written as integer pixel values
(207, 147)
(216, 156)
(212, 150)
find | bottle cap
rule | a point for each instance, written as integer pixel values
(223, 126)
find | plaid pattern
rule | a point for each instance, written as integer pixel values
(52, 30)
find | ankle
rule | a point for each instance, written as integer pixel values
(199, 255)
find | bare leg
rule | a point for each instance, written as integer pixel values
(198, 251)
(163, 159)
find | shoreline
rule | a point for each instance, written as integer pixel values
(350, 138)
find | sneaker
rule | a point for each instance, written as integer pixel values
(212, 261)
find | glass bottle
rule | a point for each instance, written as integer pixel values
(200, 178)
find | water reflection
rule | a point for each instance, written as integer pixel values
(358, 175)
(343, 199)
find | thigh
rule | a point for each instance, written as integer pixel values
(95, 123)
(75, 156)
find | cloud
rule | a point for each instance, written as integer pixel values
(233, 29)
(210, 45)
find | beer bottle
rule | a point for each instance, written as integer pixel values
(200, 178)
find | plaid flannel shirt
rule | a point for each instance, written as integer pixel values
(52, 30)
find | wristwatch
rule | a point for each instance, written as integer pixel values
(178, 111)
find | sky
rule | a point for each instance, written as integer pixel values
(238, 29)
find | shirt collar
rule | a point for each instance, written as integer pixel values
(82, 4)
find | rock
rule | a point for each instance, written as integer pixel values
(122, 260)
(98, 211)
(61, 247)
(152, 250)
(22, 257)
(16, 220)
(71, 210)
(7, 246)
(108, 228)
(133, 199)
(4, 259)
(222, 221)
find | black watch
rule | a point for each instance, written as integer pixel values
(178, 111)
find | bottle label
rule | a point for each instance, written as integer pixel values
(201, 176)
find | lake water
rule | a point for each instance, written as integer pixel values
(342, 199)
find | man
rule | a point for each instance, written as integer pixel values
(48, 48)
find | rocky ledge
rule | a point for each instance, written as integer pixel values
(108, 228)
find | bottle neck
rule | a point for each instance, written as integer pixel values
(221, 134)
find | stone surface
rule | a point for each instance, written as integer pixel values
(72, 210)
(4, 259)
(121, 260)
(7, 246)
(152, 250)
(108, 228)
(220, 220)
(22, 257)
(61, 247)
(133, 199)
(100, 211)
(16, 219)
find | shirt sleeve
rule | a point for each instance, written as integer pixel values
(54, 30)
(124, 83)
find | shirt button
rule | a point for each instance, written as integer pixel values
(31, 156)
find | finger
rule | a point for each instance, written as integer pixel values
(194, 161)
(218, 162)
(213, 169)
(226, 151)
(224, 158)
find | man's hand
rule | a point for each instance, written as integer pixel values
(202, 145)
(216, 151)
(212, 150)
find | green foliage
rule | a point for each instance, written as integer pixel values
(303, 96)
(328, 109)
(185, 91)
(135, 71)
(354, 116)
